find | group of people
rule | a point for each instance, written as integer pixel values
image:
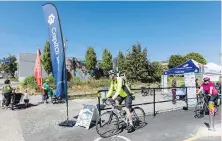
(48, 91)
(7, 91)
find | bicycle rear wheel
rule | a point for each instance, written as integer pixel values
(200, 109)
(106, 120)
(138, 116)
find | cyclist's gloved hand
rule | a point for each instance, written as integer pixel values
(104, 100)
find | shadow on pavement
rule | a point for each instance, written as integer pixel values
(22, 106)
(207, 124)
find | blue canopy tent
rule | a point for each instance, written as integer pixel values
(189, 66)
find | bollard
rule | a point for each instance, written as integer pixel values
(99, 95)
(154, 102)
(211, 115)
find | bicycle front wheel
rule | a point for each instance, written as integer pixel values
(107, 124)
(138, 116)
(200, 110)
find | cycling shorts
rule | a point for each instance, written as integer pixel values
(213, 98)
(128, 101)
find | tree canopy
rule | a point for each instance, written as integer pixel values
(175, 60)
(46, 58)
(107, 63)
(197, 57)
(91, 59)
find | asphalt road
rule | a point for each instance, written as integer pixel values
(171, 126)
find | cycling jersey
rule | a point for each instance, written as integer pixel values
(206, 88)
(120, 86)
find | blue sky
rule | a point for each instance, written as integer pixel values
(164, 28)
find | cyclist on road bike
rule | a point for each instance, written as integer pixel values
(123, 92)
(209, 89)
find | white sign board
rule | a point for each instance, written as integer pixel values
(164, 84)
(88, 114)
(189, 79)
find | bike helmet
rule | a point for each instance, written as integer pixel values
(206, 79)
(7, 81)
(112, 72)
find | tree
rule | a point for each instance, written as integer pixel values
(196, 56)
(9, 65)
(157, 69)
(175, 60)
(121, 62)
(107, 63)
(137, 65)
(46, 59)
(90, 58)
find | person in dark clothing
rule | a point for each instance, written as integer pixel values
(7, 91)
(218, 87)
(197, 85)
(174, 84)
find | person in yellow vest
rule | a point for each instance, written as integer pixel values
(7, 91)
(123, 92)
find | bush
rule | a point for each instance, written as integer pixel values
(76, 81)
(82, 85)
(30, 83)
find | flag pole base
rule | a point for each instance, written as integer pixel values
(67, 123)
(185, 108)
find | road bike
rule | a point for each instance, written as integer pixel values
(201, 107)
(118, 117)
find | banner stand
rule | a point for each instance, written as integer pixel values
(57, 53)
(67, 123)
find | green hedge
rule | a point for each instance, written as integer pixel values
(30, 83)
(103, 82)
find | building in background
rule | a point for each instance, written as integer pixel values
(76, 67)
(26, 65)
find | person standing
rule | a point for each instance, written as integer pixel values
(174, 85)
(7, 91)
(46, 89)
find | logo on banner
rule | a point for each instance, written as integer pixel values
(51, 19)
(185, 65)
